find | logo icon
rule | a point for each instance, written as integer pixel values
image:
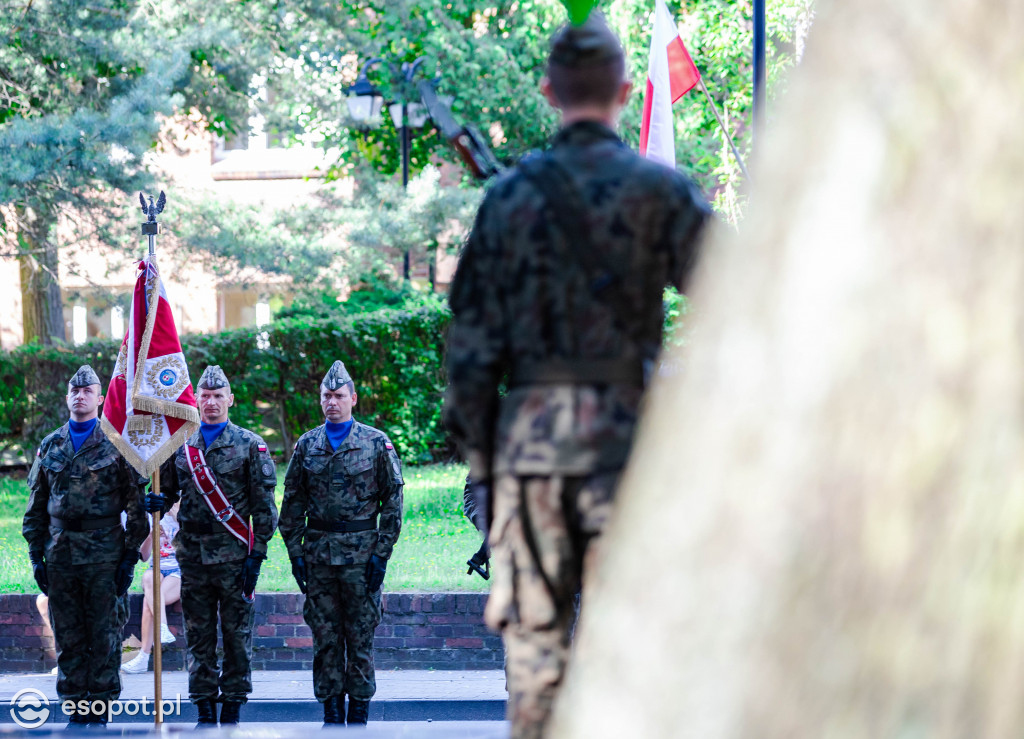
(168, 377)
(30, 708)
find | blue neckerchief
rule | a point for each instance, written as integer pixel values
(211, 431)
(80, 431)
(338, 432)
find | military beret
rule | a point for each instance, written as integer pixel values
(213, 377)
(589, 44)
(85, 375)
(336, 376)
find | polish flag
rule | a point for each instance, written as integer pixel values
(149, 409)
(671, 73)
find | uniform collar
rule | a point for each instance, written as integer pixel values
(582, 133)
(197, 440)
(223, 438)
(351, 441)
(95, 437)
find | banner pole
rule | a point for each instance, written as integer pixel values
(158, 717)
(714, 109)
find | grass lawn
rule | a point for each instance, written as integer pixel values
(430, 555)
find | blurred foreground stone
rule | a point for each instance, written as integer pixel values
(821, 533)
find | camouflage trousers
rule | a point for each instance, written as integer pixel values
(544, 539)
(87, 622)
(342, 616)
(205, 591)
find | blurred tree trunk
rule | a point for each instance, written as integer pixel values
(41, 309)
(821, 533)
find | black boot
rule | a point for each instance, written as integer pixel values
(229, 713)
(77, 720)
(358, 711)
(334, 710)
(207, 713)
(94, 721)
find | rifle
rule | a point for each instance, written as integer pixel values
(470, 144)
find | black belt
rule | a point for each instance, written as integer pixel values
(579, 372)
(200, 528)
(341, 527)
(85, 524)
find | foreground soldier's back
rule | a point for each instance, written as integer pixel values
(559, 289)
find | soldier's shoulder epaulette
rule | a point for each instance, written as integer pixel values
(307, 437)
(49, 439)
(508, 180)
(251, 436)
(381, 438)
(371, 432)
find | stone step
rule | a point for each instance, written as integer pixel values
(287, 696)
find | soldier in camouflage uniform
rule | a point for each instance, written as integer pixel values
(559, 291)
(216, 567)
(343, 476)
(81, 555)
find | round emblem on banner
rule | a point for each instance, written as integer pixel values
(167, 377)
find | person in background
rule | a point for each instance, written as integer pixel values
(340, 519)
(170, 590)
(558, 295)
(225, 479)
(82, 556)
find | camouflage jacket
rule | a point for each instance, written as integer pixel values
(360, 480)
(521, 296)
(245, 471)
(94, 482)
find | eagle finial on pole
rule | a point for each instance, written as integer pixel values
(151, 228)
(152, 210)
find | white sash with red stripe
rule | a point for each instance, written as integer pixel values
(218, 503)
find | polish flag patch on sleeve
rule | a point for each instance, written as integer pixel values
(261, 447)
(389, 445)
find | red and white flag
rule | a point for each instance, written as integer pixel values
(149, 410)
(671, 73)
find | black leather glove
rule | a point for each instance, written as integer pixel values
(375, 569)
(480, 563)
(250, 574)
(155, 503)
(299, 573)
(125, 571)
(39, 571)
(479, 499)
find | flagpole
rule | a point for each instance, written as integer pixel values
(158, 717)
(150, 228)
(721, 123)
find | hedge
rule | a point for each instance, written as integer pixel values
(394, 356)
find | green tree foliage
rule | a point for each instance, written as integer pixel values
(486, 53)
(719, 36)
(389, 220)
(299, 242)
(82, 90)
(490, 54)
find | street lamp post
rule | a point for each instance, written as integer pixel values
(365, 102)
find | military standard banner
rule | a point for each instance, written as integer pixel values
(150, 409)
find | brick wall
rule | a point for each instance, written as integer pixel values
(443, 631)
